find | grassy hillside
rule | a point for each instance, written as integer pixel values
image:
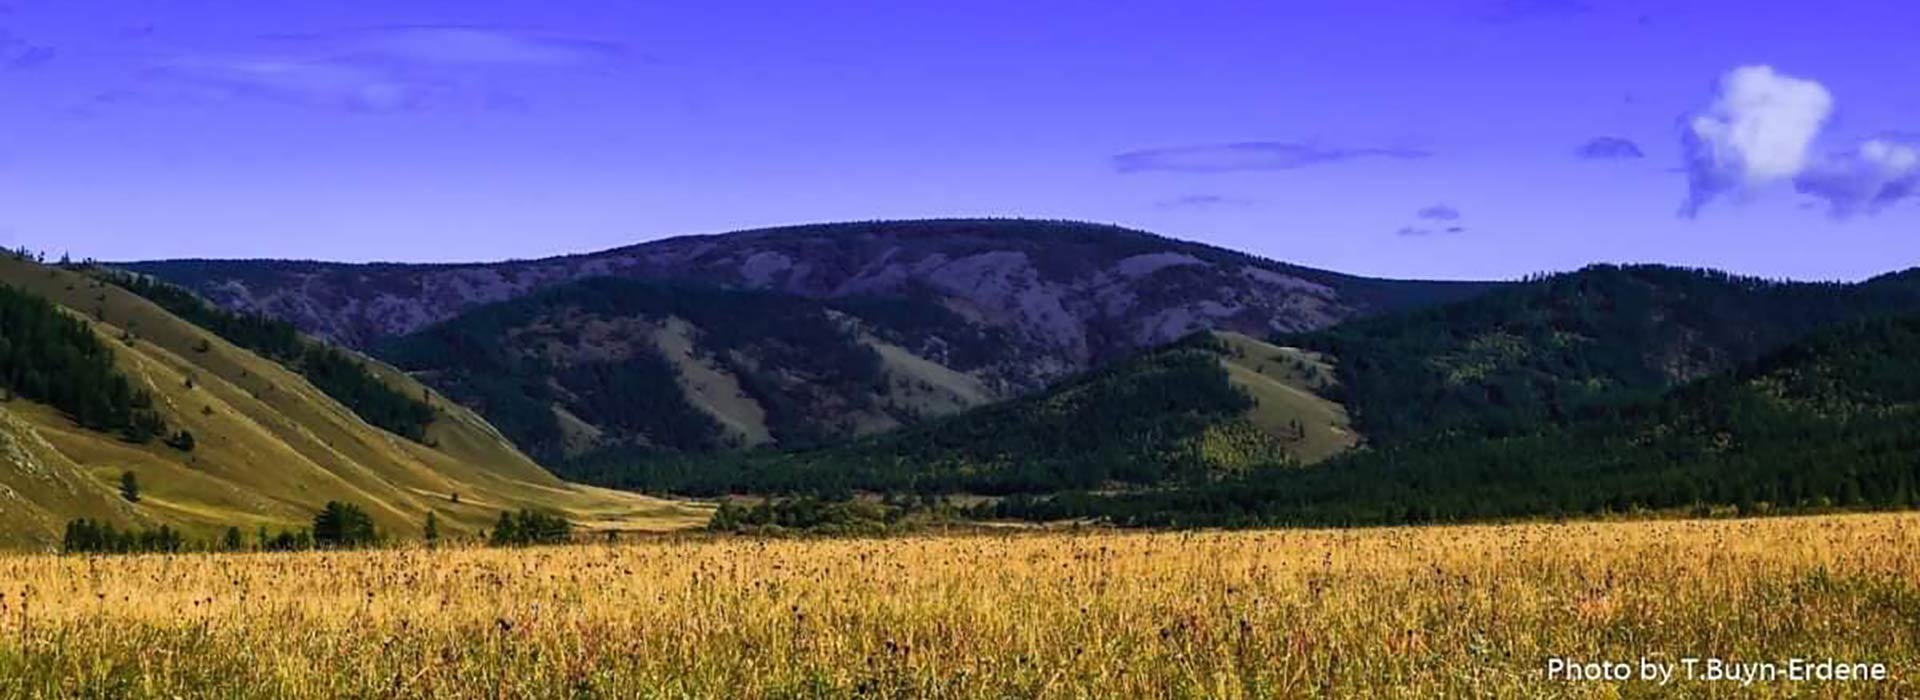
(40, 488)
(1553, 347)
(270, 447)
(628, 366)
(1205, 408)
(332, 370)
(1826, 422)
(49, 356)
(1286, 385)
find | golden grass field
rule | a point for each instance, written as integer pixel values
(1388, 613)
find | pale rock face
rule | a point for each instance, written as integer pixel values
(1005, 286)
(1286, 282)
(760, 267)
(14, 455)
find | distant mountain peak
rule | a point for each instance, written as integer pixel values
(1085, 290)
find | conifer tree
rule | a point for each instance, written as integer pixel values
(129, 487)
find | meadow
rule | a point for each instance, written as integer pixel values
(1472, 611)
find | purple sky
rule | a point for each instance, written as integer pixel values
(1484, 138)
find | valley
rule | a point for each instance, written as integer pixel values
(614, 484)
(699, 369)
(1556, 349)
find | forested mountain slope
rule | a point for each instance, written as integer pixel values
(268, 447)
(1546, 349)
(1825, 422)
(636, 366)
(1204, 408)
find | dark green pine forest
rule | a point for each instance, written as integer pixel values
(333, 371)
(515, 361)
(1818, 422)
(1827, 422)
(1545, 350)
(51, 357)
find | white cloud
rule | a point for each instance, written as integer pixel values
(1758, 131)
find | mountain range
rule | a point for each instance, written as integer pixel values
(1074, 292)
(1530, 359)
(889, 323)
(1056, 369)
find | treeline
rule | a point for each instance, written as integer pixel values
(816, 516)
(338, 526)
(1826, 423)
(85, 535)
(49, 356)
(333, 371)
(1559, 346)
(530, 527)
(1167, 416)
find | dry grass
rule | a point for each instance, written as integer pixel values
(1287, 396)
(1415, 613)
(272, 448)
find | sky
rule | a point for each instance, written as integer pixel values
(1471, 139)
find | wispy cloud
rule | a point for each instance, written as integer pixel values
(1434, 220)
(326, 85)
(1609, 148)
(17, 53)
(448, 45)
(138, 31)
(1873, 176)
(1202, 201)
(1508, 11)
(384, 69)
(1250, 155)
(1426, 231)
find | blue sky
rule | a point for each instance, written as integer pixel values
(1470, 139)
